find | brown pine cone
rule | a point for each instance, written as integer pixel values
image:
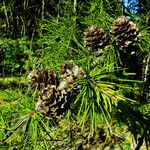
(71, 69)
(125, 32)
(37, 78)
(84, 140)
(52, 102)
(69, 73)
(95, 38)
(41, 78)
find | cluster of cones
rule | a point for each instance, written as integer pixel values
(54, 94)
(53, 89)
(123, 31)
(124, 35)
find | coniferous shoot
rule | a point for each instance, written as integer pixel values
(125, 31)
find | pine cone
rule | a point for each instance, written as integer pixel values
(95, 38)
(69, 73)
(71, 69)
(83, 139)
(148, 21)
(125, 31)
(41, 78)
(52, 102)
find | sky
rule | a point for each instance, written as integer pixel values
(131, 4)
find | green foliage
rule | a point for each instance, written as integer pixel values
(15, 56)
(101, 92)
(29, 129)
(110, 96)
(56, 47)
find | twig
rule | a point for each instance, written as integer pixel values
(75, 7)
